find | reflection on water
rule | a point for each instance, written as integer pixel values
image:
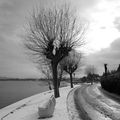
(13, 91)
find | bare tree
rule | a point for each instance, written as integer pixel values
(47, 71)
(71, 63)
(52, 34)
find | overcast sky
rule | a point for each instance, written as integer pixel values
(102, 37)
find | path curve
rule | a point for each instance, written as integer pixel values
(92, 104)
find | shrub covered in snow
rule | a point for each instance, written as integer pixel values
(47, 109)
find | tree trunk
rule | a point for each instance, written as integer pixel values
(50, 88)
(55, 80)
(60, 79)
(71, 80)
(59, 82)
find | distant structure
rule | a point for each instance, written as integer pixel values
(118, 70)
(105, 66)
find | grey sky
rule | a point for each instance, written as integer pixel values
(109, 55)
(13, 16)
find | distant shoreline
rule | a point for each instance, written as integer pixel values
(16, 79)
(23, 79)
(29, 79)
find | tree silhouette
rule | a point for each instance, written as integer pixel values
(118, 69)
(90, 71)
(52, 34)
(47, 71)
(71, 63)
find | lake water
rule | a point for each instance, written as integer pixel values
(13, 91)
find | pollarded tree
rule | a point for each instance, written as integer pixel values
(71, 63)
(52, 34)
(47, 71)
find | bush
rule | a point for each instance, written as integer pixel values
(111, 83)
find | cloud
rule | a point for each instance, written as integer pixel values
(14, 62)
(85, 4)
(117, 23)
(110, 55)
(13, 13)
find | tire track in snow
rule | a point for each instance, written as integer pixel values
(79, 109)
(90, 111)
(82, 113)
(101, 103)
(71, 108)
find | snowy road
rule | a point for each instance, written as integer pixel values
(92, 104)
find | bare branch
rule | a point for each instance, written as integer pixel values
(71, 63)
(52, 34)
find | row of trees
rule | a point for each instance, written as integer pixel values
(52, 35)
(68, 65)
(91, 74)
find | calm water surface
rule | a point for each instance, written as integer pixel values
(13, 91)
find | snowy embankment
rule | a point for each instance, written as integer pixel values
(92, 104)
(71, 107)
(27, 109)
(84, 102)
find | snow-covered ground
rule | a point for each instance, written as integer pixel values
(92, 104)
(86, 102)
(27, 109)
